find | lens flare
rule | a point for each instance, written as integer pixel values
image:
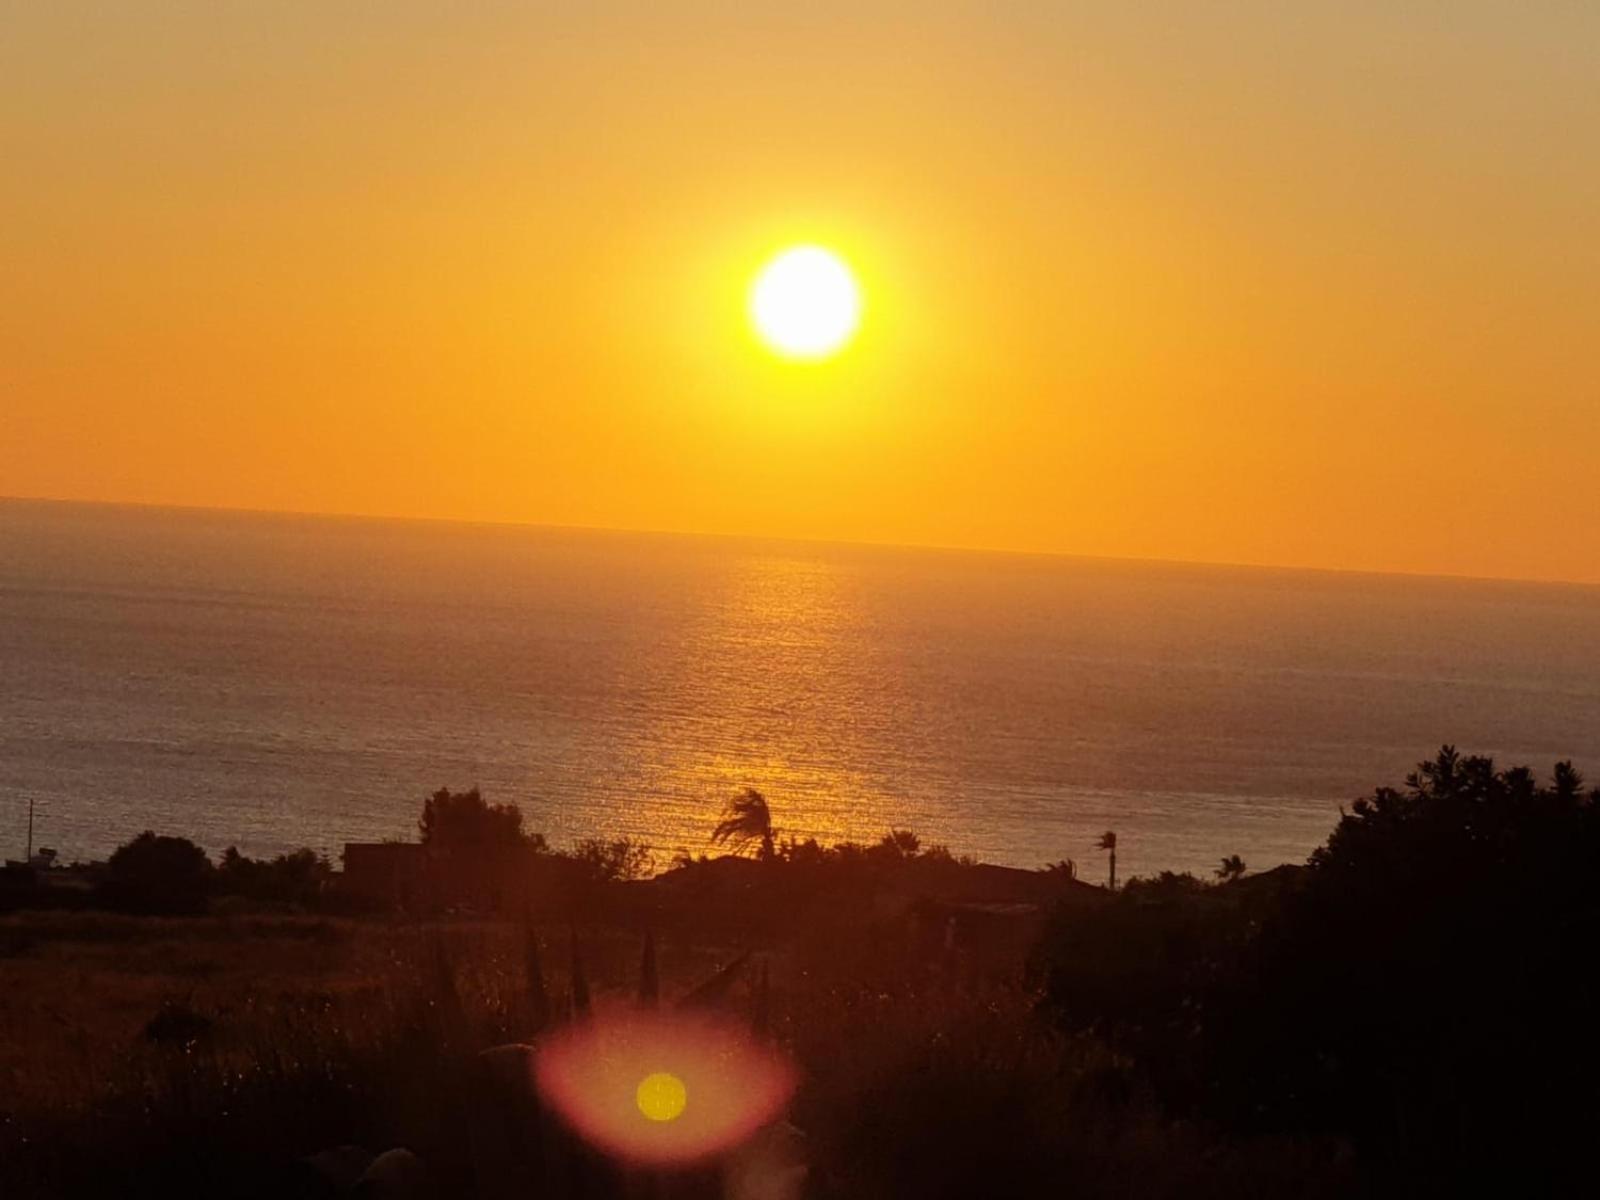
(661, 1096)
(662, 1089)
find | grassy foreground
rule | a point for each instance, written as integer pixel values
(209, 1055)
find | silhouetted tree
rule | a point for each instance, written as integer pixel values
(1165, 885)
(158, 875)
(464, 820)
(1232, 868)
(747, 821)
(1424, 988)
(296, 878)
(1567, 783)
(807, 853)
(1108, 842)
(1470, 902)
(616, 859)
(899, 844)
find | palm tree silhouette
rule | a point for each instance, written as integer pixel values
(1108, 841)
(747, 819)
(1232, 867)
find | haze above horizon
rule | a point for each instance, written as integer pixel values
(1313, 287)
(760, 538)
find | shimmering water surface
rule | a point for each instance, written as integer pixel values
(275, 681)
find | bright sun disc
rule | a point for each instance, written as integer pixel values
(661, 1096)
(805, 303)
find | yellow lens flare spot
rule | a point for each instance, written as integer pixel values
(622, 1081)
(805, 303)
(661, 1096)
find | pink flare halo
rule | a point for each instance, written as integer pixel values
(589, 1073)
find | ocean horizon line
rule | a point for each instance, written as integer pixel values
(799, 541)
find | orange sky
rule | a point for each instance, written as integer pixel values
(1312, 284)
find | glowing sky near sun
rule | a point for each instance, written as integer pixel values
(1312, 284)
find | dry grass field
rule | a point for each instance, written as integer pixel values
(89, 1000)
(192, 1053)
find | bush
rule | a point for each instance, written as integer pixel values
(296, 878)
(1425, 987)
(1431, 989)
(898, 845)
(158, 875)
(617, 860)
(465, 820)
(809, 853)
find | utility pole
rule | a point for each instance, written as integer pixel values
(28, 858)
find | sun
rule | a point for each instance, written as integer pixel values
(661, 1096)
(805, 303)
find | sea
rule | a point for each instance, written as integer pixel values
(275, 681)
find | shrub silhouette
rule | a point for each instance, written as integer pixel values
(1425, 987)
(295, 878)
(899, 843)
(466, 821)
(1431, 988)
(158, 875)
(613, 860)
